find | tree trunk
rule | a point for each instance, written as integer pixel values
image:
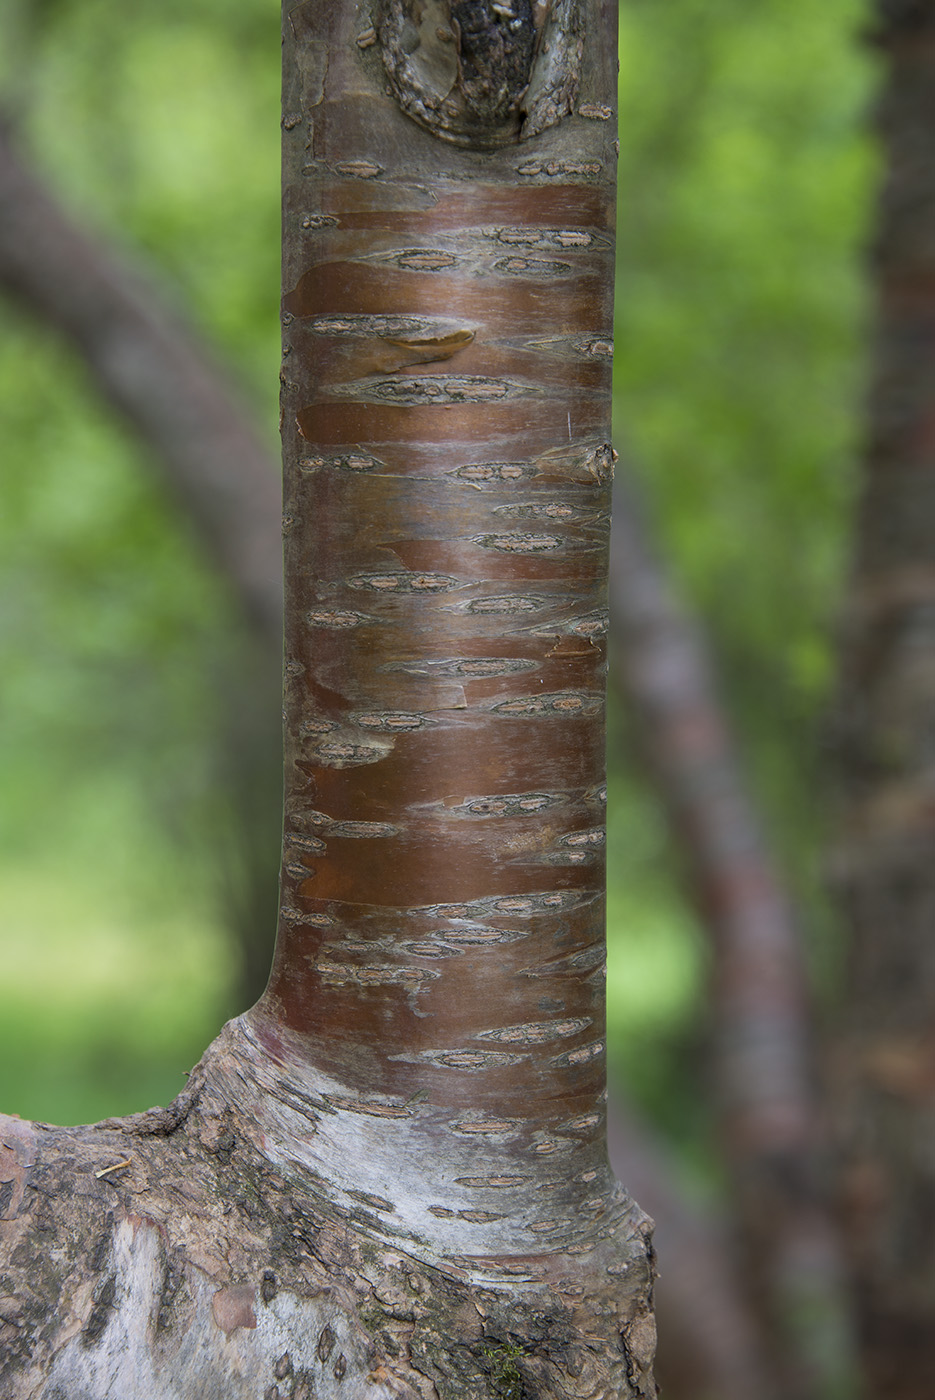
(390, 1177)
(885, 862)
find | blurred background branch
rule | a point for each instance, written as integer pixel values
(149, 366)
(771, 1129)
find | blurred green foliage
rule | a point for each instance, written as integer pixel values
(746, 185)
(158, 125)
(745, 180)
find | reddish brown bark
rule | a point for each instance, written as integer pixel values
(706, 1348)
(706, 1344)
(446, 415)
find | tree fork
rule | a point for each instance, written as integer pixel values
(390, 1177)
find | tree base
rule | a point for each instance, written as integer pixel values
(165, 1256)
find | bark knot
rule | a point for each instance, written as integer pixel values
(482, 73)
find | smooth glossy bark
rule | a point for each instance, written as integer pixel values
(707, 1347)
(446, 424)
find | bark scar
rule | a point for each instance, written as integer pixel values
(482, 73)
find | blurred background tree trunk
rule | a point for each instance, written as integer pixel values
(884, 862)
(772, 1130)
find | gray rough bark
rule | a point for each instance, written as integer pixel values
(186, 1253)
